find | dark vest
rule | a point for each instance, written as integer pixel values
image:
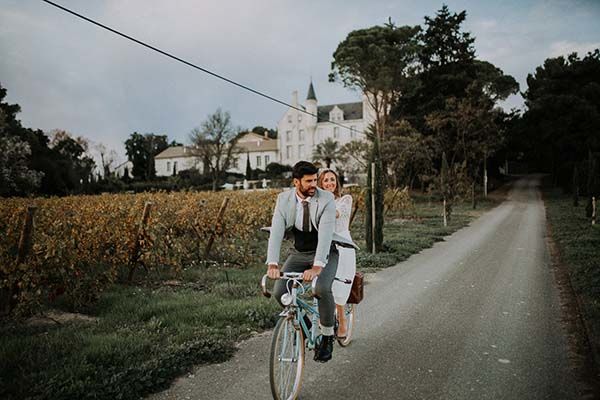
(305, 241)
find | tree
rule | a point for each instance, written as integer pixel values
(562, 119)
(380, 62)
(77, 165)
(63, 164)
(16, 179)
(355, 156)
(276, 170)
(448, 69)
(444, 43)
(327, 151)
(107, 158)
(141, 150)
(271, 133)
(248, 167)
(408, 154)
(216, 141)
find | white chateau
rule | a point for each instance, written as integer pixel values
(298, 135)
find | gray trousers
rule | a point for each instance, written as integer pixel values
(299, 262)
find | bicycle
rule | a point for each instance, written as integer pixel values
(292, 336)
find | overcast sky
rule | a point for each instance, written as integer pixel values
(68, 74)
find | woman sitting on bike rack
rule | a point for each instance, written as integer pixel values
(329, 180)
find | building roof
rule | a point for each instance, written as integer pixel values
(311, 93)
(351, 111)
(253, 142)
(177, 152)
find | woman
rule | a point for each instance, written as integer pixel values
(328, 180)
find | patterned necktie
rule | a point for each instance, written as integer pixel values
(305, 216)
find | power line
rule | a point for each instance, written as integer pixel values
(189, 64)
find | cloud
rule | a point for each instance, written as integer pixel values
(564, 48)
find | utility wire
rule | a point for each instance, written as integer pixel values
(189, 64)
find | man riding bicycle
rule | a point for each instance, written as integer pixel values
(308, 215)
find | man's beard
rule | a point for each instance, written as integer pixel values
(308, 192)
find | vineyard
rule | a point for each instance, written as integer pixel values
(79, 245)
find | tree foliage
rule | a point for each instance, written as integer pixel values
(141, 150)
(32, 163)
(562, 120)
(380, 62)
(215, 141)
(327, 151)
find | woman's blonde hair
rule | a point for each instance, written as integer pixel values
(338, 189)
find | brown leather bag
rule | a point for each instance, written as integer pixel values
(357, 291)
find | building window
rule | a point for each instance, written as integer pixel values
(290, 118)
(267, 160)
(300, 150)
(301, 135)
(288, 151)
(299, 117)
(168, 166)
(353, 132)
(258, 161)
(336, 132)
(235, 163)
(288, 136)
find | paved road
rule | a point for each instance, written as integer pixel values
(474, 317)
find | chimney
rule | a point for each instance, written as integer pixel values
(295, 98)
(266, 134)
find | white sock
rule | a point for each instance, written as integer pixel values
(327, 330)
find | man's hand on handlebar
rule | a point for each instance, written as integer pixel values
(310, 274)
(273, 271)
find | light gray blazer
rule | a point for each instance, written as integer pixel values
(322, 216)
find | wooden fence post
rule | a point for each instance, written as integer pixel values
(8, 296)
(214, 231)
(594, 210)
(26, 235)
(135, 253)
(444, 214)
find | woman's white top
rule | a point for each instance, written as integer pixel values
(343, 206)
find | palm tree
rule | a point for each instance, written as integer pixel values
(327, 151)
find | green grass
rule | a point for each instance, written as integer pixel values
(144, 336)
(579, 246)
(405, 236)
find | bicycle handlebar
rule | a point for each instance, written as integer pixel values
(297, 276)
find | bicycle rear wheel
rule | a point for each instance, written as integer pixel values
(350, 311)
(286, 364)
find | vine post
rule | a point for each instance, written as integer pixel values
(139, 237)
(217, 223)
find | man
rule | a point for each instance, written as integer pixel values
(308, 214)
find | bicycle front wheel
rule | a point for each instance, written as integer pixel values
(349, 311)
(287, 360)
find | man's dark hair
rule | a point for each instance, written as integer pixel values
(302, 168)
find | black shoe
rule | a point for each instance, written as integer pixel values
(324, 351)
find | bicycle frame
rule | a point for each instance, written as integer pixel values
(298, 307)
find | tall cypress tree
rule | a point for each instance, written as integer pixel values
(248, 167)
